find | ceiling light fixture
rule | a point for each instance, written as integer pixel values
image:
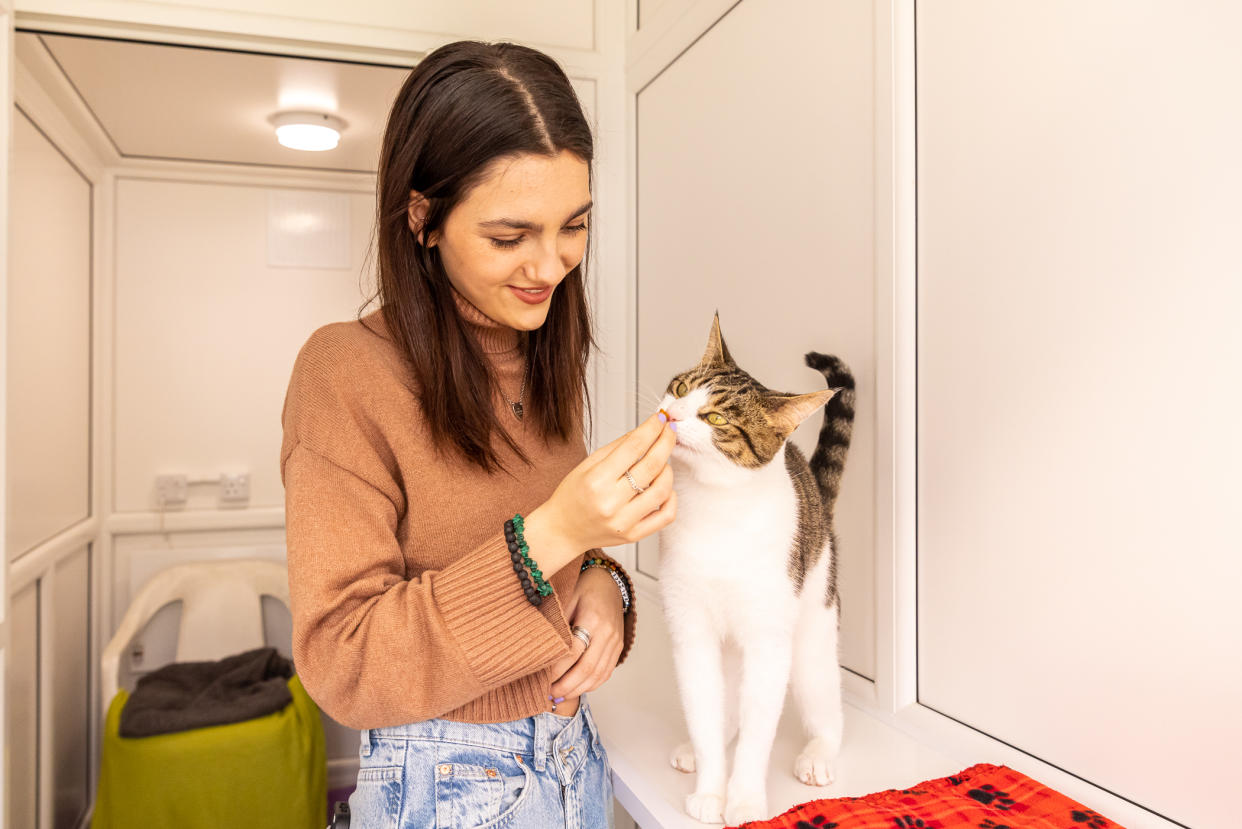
(307, 130)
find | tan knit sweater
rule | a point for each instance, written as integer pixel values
(404, 599)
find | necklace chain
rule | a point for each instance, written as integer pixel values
(517, 409)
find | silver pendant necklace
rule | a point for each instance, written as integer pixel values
(518, 411)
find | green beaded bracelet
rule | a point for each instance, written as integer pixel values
(520, 553)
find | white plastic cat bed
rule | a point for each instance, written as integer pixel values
(221, 611)
(153, 775)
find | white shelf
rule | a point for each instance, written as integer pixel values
(640, 720)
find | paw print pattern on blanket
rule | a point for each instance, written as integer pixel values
(911, 822)
(989, 795)
(1090, 818)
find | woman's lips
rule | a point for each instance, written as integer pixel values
(531, 298)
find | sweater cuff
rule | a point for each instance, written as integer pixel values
(502, 634)
(630, 618)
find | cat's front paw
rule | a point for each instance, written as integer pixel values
(816, 765)
(746, 805)
(682, 758)
(705, 807)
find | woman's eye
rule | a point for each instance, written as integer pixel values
(681, 389)
(716, 419)
(512, 243)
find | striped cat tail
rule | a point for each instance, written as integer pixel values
(828, 460)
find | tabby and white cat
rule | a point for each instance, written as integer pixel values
(748, 573)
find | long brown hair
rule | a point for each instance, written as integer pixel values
(463, 106)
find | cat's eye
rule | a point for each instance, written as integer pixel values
(716, 419)
(681, 388)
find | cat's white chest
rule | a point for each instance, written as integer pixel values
(728, 535)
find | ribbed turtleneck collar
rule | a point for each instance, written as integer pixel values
(492, 337)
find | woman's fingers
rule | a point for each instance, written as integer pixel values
(569, 677)
(650, 465)
(658, 520)
(632, 514)
(607, 449)
(631, 446)
(593, 668)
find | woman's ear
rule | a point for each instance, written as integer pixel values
(417, 213)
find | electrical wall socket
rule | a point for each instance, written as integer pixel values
(235, 488)
(170, 490)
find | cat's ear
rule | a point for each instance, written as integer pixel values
(717, 353)
(787, 411)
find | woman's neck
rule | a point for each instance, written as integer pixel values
(493, 337)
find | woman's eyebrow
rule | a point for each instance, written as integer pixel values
(517, 224)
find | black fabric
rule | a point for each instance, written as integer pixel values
(185, 695)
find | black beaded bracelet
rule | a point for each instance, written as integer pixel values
(533, 584)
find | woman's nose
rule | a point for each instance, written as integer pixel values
(547, 268)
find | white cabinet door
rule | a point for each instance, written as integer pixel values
(1079, 294)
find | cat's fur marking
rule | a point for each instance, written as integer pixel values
(810, 535)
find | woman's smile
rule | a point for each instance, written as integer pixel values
(532, 296)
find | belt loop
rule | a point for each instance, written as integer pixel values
(365, 749)
(590, 721)
(541, 741)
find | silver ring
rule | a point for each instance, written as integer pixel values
(639, 489)
(583, 634)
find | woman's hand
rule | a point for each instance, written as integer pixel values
(595, 505)
(596, 606)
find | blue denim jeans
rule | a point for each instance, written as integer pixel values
(538, 773)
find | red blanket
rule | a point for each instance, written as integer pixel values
(982, 796)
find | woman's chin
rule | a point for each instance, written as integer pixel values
(529, 319)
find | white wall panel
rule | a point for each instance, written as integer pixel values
(70, 692)
(22, 709)
(648, 10)
(49, 352)
(206, 334)
(568, 23)
(755, 198)
(1080, 289)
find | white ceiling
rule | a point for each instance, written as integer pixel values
(180, 102)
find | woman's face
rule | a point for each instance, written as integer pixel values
(511, 241)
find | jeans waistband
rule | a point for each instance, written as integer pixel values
(535, 736)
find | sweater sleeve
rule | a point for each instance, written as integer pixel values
(630, 620)
(374, 647)
(376, 642)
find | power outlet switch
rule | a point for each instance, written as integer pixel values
(170, 489)
(235, 488)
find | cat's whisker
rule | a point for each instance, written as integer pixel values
(650, 396)
(646, 399)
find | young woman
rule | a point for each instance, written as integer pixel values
(444, 521)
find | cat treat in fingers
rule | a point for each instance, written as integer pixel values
(748, 574)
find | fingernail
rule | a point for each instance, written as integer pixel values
(559, 700)
(549, 696)
(663, 417)
(672, 425)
